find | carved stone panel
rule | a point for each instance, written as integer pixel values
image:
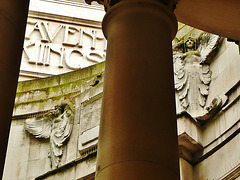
(55, 125)
(52, 47)
(89, 125)
(192, 72)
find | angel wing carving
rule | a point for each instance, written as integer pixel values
(192, 74)
(208, 46)
(56, 125)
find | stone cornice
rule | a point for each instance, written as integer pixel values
(110, 3)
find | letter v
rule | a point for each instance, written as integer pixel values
(51, 38)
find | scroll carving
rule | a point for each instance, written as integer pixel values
(55, 125)
(192, 73)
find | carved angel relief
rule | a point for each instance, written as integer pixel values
(55, 125)
(192, 73)
(107, 3)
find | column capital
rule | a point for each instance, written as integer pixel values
(109, 3)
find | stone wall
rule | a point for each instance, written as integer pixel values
(28, 156)
(208, 131)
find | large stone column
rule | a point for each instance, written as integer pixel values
(13, 16)
(138, 135)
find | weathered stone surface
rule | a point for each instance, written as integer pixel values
(211, 147)
(186, 169)
(85, 168)
(33, 154)
(192, 74)
(55, 125)
(222, 161)
(90, 113)
(88, 141)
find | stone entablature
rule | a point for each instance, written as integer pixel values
(61, 41)
(57, 47)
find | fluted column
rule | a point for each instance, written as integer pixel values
(138, 135)
(13, 16)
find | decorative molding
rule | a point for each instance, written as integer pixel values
(55, 125)
(110, 3)
(232, 174)
(32, 74)
(190, 144)
(77, 3)
(67, 166)
(64, 19)
(88, 141)
(31, 115)
(89, 150)
(217, 143)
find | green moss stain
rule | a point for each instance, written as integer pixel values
(36, 92)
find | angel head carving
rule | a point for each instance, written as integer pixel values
(55, 125)
(107, 3)
(192, 74)
(190, 44)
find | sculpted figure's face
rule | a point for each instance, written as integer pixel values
(190, 43)
(57, 111)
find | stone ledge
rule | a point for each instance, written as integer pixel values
(66, 166)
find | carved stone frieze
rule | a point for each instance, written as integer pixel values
(55, 125)
(192, 73)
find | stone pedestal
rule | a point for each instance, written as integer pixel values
(138, 135)
(13, 16)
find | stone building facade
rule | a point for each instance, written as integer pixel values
(54, 131)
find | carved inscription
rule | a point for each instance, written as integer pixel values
(63, 45)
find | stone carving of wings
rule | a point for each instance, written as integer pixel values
(191, 82)
(55, 125)
(40, 127)
(61, 131)
(180, 79)
(209, 44)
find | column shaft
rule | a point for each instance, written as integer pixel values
(138, 135)
(13, 16)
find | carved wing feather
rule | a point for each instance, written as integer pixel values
(39, 128)
(179, 73)
(182, 95)
(203, 88)
(201, 100)
(208, 44)
(205, 78)
(205, 74)
(181, 80)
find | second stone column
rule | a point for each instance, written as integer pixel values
(138, 134)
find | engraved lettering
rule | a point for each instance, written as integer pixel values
(50, 36)
(68, 56)
(41, 55)
(80, 44)
(51, 43)
(69, 30)
(93, 36)
(37, 27)
(25, 49)
(59, 51)
(95, 57)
